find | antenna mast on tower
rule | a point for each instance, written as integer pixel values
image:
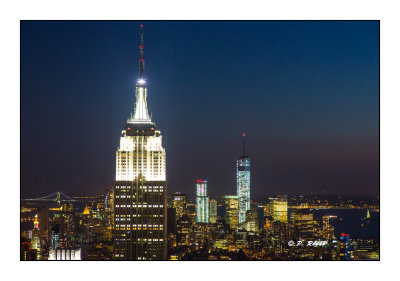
(244, 150)
(141, 61)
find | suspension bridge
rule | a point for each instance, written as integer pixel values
(57, 197)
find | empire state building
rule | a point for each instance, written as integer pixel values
(140, 202)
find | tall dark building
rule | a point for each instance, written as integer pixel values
(140, 196)
(171, 220)
(44, 220)
(183, 230)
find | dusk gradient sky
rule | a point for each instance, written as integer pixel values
(305, 92)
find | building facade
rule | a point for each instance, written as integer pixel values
(213, 211)
(345, 249)
(140, 193)
(328, 231)
(183, 230)
(232, 211)
(36, 245)
(202, 204)
(252, 220)
(279, 208)
(179, 203)
(65, 254)
(303, 222)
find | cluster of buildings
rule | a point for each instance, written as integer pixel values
(214, 232)
(238, 205)
(86, 229)
(72, 230)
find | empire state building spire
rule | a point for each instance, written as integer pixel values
(141, 113)
(244, 144)
(140, 194)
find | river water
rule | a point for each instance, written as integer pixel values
(351, 222)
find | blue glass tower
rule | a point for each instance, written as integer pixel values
(243, 183)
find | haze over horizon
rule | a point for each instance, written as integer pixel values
(305, 92)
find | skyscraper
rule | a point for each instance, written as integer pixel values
(36, 237)
(279, 208)
(183, 229)
(346, 250)
(179, 203)
(327, 228)
(243, 183)
(303, 222)
(213, 211)
(232, 211)
(252, 220)
(109, 205)
(171, 221)
(43, 220)
(140, 190)
(201, 202)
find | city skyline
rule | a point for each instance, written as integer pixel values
(296, 153)
(136, 220)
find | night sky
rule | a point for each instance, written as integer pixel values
(305, 93)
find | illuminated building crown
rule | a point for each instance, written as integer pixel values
(36, 222)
